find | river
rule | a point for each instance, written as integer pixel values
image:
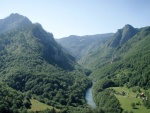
(89, 98)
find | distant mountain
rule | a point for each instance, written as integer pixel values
(31, 61)
(80, 46)
(123, 35)
(106, 53)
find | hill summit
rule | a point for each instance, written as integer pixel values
(14, 21)
(33, 38)
(123, 35)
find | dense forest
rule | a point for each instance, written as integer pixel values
(32, 63)
(36, 68)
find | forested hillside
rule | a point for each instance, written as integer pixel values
(32, 62)
(128, 66)
(105, 52)
(122, 61)
(35, 69)
(12, 100)
(131, 60)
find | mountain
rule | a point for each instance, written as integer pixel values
(128, 67)
(123, 35)
(121, 61)
(33, 66)
(32, 63)
(42, 42)
(80, 46)
(14, 21)
(132, 57)
(106, 53)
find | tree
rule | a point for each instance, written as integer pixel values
(133, 105)
(131, 112)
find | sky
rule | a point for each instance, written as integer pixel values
(80, 17)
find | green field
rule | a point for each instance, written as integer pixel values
(38, 106)
(129, 98)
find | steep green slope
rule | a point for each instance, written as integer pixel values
(34, 39)
(129, 68)
(133, 61)
(80, 46)
(105, 53)
(32, 62)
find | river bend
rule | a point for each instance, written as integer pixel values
(89, 98)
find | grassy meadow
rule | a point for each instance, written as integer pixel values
(128, 99)
(38, 106)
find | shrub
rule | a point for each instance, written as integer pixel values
(133, 105)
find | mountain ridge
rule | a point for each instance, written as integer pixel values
(33, 63)
(46, 39)
(13, 21)
(36, 66)
(78, 46)
(123, 35)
